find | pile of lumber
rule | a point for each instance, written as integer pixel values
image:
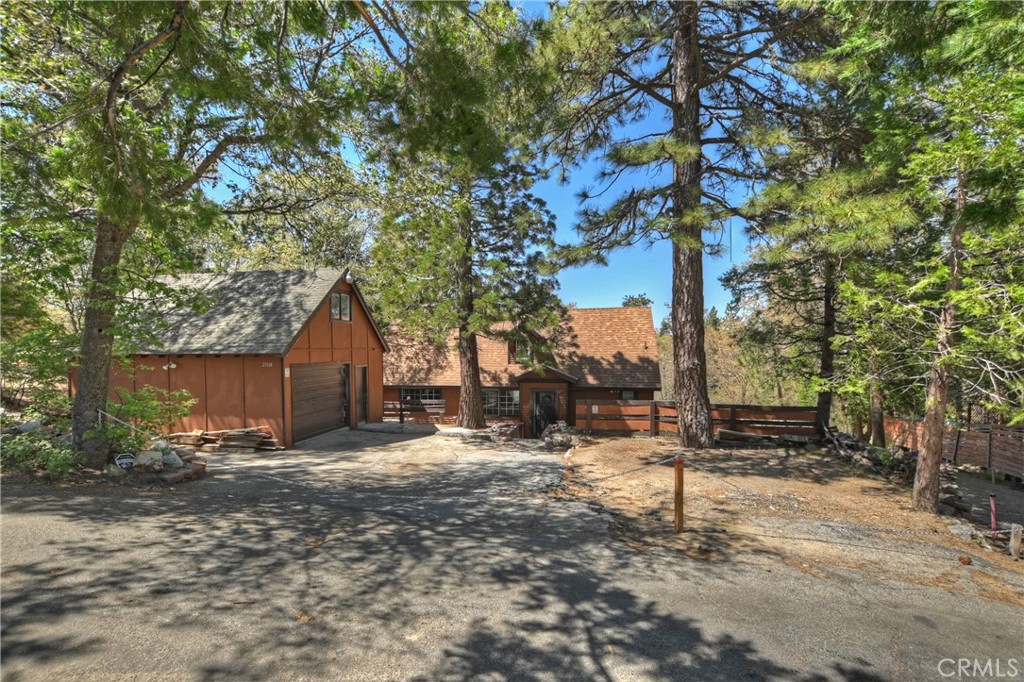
(230, 440)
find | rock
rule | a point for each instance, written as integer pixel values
(114, 470)
(149, 460)
(862, 461)
(963, 531)
(966, 560)
(172, 460)
(161, 445)
(1016, 539)
(812, 447)
(28, 426)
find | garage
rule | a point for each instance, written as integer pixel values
(319, 398)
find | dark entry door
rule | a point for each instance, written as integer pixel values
(317, 399)
(362, 394)
(346, 401)
(544, 411)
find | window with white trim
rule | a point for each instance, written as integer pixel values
(628, 394)
(341, 307)
(501, 402)
(421, 394)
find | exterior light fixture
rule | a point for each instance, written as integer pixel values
(170, 365)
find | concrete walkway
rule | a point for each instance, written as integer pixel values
(373, 556)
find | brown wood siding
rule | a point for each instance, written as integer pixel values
(189, 374)
(225, 392)
(263, 404)
(316, 399)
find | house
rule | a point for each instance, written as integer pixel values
(609, 354)
(297, 351)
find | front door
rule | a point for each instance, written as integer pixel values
(362, 394)
(544, 411)
(345, 411)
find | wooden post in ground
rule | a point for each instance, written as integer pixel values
(956, 444)
(991, 471)
(590, 410)
(654, 419)
(678, 517)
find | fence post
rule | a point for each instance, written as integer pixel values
(956, 444)
(992, 472)
(732, 417)
(654, 419)
(590, 411)
(678, 518)
(401, 412)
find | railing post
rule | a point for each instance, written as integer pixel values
(589, 412)
(401, 411)
(732, 417)
(654, 419)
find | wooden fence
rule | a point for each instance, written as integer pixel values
(991, 446)
(660, 416)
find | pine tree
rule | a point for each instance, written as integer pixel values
(119, 117)
(462, 244)
(943, 84)
(702, 75)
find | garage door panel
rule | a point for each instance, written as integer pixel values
(317, 403)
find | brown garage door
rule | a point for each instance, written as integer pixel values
(318, 399)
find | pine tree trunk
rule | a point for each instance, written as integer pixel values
(926, 480)
(828, 334)
(876, 413)
(471, 405)
(97, 344)
(691, 384)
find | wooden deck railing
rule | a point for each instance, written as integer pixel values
(659, 416)
(414, 410)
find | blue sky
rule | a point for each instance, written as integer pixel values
(636, 270)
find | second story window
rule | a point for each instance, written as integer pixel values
(341, 307)
(522, 352)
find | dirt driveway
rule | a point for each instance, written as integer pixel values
(807, 509)
(380, 557)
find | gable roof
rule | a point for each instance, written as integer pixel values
(256, 312)
(605, 347)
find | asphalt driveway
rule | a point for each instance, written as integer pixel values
(367, 556)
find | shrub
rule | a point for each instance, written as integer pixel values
(150, 410)
(36, 452)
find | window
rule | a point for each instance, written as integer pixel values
(421, 394)
(628, 395)
(522, 352)
(501, 402)
(341, 306)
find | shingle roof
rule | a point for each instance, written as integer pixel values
(252, 313)
(606, 347)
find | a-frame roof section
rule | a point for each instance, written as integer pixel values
(256, 312)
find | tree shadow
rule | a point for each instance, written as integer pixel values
(458, 572)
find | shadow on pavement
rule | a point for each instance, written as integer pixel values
(451, 574)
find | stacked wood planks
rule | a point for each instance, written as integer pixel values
(229, 440)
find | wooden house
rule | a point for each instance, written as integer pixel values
(296, 351)
(608, 354)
